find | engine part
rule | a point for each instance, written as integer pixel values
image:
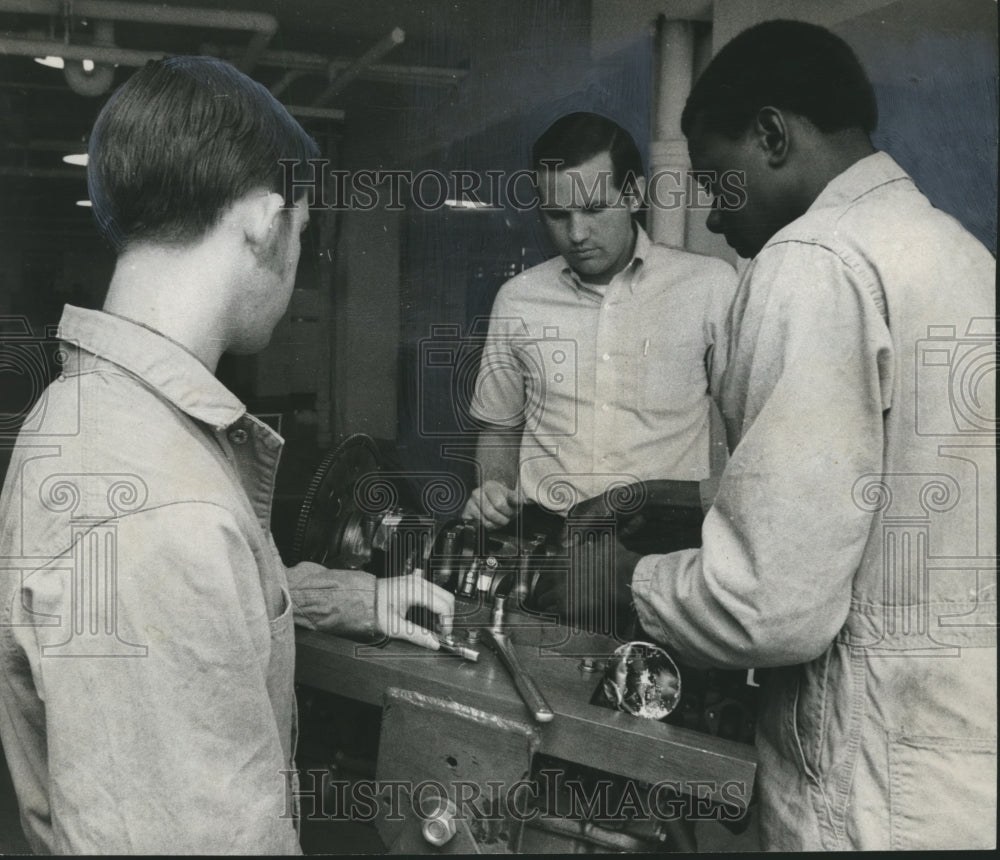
(357, 515)
(360, 514)
(333, 529)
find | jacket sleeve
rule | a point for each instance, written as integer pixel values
(333, 601)
(161, 736)
(716, 324)
(771, 584)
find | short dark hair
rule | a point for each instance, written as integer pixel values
(180, 142)
(578, 137)
(790, 65)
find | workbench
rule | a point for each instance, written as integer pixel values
(456, 707)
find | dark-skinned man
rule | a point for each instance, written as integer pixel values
(851, 468)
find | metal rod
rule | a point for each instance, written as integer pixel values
(285, 81)
(592, 833)
(376, 52)
(158, 13)
(97, 53)
(318, 63)
(450, 646)
(263, 25)
(75, 174)
(335, 114)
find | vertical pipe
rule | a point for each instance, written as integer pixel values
(668, 150)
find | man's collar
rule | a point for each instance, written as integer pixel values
(642, 246)
(864, 175)
(161, 363)
(639, 254)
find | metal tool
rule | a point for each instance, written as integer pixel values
(501, 643)
(450, 646)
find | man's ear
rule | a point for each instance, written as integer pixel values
(258, 214)
(772, 133)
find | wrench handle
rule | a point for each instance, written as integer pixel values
(526, 686)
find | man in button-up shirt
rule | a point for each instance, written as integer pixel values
(146, 619)
(599, 363)
(851, 547)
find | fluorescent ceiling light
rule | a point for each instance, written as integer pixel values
(78, 158)
(88, 66)
(84, 203)
(465, 203)
(51, 62)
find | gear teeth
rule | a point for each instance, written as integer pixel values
(320, 475)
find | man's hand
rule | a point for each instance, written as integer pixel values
(396, 595)
(493, 503)
(596, 592)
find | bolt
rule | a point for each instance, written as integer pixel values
(439, 828)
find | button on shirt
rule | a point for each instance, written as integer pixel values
(611, 383)
(146, 618)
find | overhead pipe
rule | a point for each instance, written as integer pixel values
(98, 53)
(375, 52)
(42, 172)
(435, 76)
(46, 145)
(263, 25)
(125, 57)
(313, 112)
(319, 63)
(286, 81)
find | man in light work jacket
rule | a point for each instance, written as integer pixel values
(852, 544)
(146, 619)
(598, 364)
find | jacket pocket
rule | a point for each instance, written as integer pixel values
(281, 675)
(829, 709)
(942, 792)
(809, 715)
(284, 610)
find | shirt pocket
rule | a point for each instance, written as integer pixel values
(671, 376)
(942, 792)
